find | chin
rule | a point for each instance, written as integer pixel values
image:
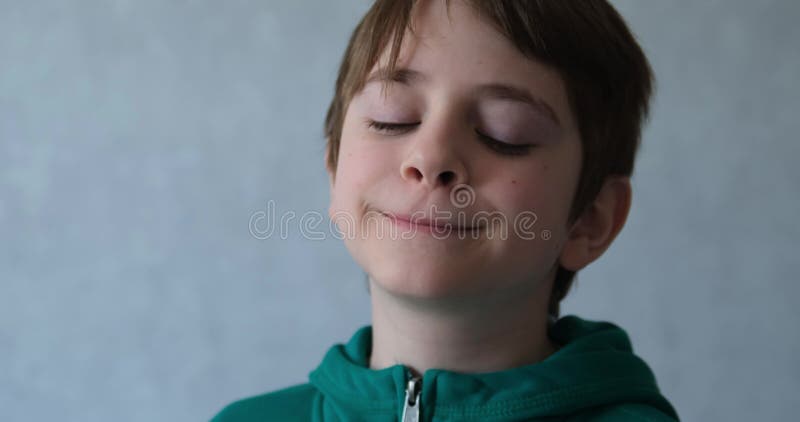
(423, 286)
(426, 268)
(425, 278)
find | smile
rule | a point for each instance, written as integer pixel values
(438, 226)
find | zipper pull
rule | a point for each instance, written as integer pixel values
(411, 404)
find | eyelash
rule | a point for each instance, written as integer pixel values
(499, 146)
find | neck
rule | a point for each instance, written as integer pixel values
(472, 336)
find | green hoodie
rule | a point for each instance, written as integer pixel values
(593, 376)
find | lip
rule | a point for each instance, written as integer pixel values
(426, 224)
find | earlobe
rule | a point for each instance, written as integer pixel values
(595, 230)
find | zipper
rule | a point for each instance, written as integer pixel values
(411, 402)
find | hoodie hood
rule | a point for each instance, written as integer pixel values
(594, 369)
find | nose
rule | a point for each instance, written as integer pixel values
(434, 159)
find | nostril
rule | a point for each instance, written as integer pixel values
(447, 177)
(415, 173)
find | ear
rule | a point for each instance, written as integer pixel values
(594, 230)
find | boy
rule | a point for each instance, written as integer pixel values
(495, 140)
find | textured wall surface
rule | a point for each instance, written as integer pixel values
(137, 139)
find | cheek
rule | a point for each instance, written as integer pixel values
(362, 164)
(540, 190)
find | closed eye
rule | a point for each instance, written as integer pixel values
(504, 148)
(389, 127)
(495, 145)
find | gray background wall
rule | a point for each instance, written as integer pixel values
(137, 138)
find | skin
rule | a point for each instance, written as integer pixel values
(478, 302)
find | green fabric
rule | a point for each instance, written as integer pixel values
(594, 376)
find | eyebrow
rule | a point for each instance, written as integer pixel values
(402, 75)
(498, 91)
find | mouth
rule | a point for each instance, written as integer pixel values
(440, 225)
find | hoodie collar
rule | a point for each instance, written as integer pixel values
(595, 366)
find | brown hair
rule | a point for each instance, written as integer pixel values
(606, 74)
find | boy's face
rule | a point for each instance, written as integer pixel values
(459, 94)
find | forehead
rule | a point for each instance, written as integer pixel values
(452, 47)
